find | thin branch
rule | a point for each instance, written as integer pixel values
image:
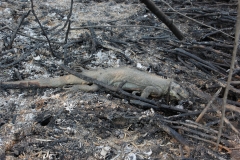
(16, 30)
(66, 40)
(208, 105)
(94, 40)
(175, 135)
(67, 33)
(68, 19)
(230, 74)
(208, 141)
(164, 18)
(119, 26)
(230, 124)
(44, 33)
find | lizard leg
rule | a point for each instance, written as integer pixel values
(136, 93)
(150, 90)
(86, 88)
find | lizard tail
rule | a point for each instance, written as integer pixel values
(43, 83)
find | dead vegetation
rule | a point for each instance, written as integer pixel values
(50, 123)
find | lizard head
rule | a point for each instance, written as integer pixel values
(178, 92)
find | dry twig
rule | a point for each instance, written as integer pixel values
(230, 74)
(208, 105)
(169, 23)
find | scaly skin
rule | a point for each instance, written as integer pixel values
(146, 83)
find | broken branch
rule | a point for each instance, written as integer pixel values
(169, 23)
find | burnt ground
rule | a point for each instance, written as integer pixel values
(53, 123)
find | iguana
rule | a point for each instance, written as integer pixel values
(135, 80)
